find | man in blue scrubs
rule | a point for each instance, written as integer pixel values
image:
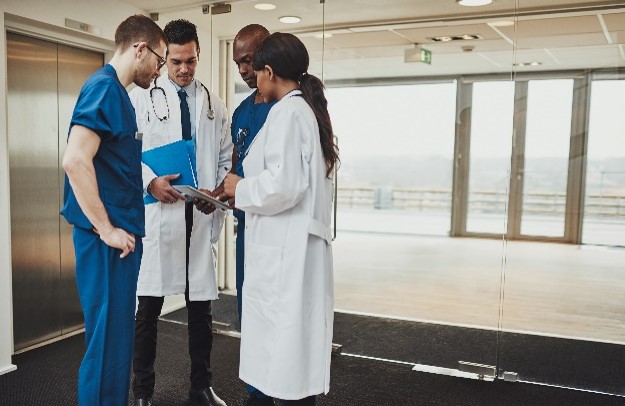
(247, 121)
(104, 202)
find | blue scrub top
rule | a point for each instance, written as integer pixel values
(247, 121)
(104, 107)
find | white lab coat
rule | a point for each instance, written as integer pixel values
(288, 294)
(163, 265)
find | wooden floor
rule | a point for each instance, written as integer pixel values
(540, 288)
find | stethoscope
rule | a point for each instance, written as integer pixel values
(159, 93)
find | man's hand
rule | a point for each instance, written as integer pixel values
(204, 206)
(118, 238)
(162, 190)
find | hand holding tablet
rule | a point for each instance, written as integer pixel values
(194, 193)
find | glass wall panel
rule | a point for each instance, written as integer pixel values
(545, 169)
(408, 133)
(506, 133)
(489, 168)
(604, 203)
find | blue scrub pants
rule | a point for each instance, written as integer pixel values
(240, 266)
(107, 287)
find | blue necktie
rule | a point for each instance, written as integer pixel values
(185, 116)
(185, 121)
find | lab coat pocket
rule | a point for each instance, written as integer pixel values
(150, 282)
(263, 265)
(152, 221)
(155, 134)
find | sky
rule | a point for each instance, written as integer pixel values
(419, 120)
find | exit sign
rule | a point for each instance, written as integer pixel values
(426, 56)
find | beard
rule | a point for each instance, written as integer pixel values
(143, 75)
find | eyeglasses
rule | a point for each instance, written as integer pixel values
(161, 60)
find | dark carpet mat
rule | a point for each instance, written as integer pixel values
(581, 364)
(558, 361)
(417, 343)
(48, 375)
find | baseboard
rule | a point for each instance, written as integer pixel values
(7, 369)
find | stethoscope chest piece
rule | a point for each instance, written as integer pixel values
(210, 113)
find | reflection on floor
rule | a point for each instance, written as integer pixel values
(548, 289)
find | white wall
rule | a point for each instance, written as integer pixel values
(104, 15)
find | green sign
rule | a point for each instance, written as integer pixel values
(426, 56)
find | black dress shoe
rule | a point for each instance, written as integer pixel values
(254, 401)
(143, 402)
(205, 397)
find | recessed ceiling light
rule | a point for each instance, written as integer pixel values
(264, 6)
(504, 23)
(290, 19)
(463, 37)
(323, 35)
(473, 3)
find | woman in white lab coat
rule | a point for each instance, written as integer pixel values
(163, 269)
(288, 295)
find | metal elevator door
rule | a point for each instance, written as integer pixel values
(44, 79)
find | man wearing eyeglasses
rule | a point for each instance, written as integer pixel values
(179, 244)
(103, 200)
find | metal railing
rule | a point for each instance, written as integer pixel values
(484, 201)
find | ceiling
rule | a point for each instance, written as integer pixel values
(369, 37)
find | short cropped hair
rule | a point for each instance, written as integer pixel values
(255, 31)
(180, 32)
(138, 28)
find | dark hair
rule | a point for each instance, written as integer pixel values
(180, 32)
(288, 58)
(138, 28)
(255, 31)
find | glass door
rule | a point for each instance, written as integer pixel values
(562, 312)
(399, 121)
(518, 158)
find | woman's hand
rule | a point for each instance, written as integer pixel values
(230, 184)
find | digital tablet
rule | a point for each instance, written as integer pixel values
(194, 193)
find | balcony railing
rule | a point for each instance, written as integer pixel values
(483, 201)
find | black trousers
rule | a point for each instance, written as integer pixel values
(200, 322)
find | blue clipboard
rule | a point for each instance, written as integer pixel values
(172, 158)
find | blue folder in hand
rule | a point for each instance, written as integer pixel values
(170, 159)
